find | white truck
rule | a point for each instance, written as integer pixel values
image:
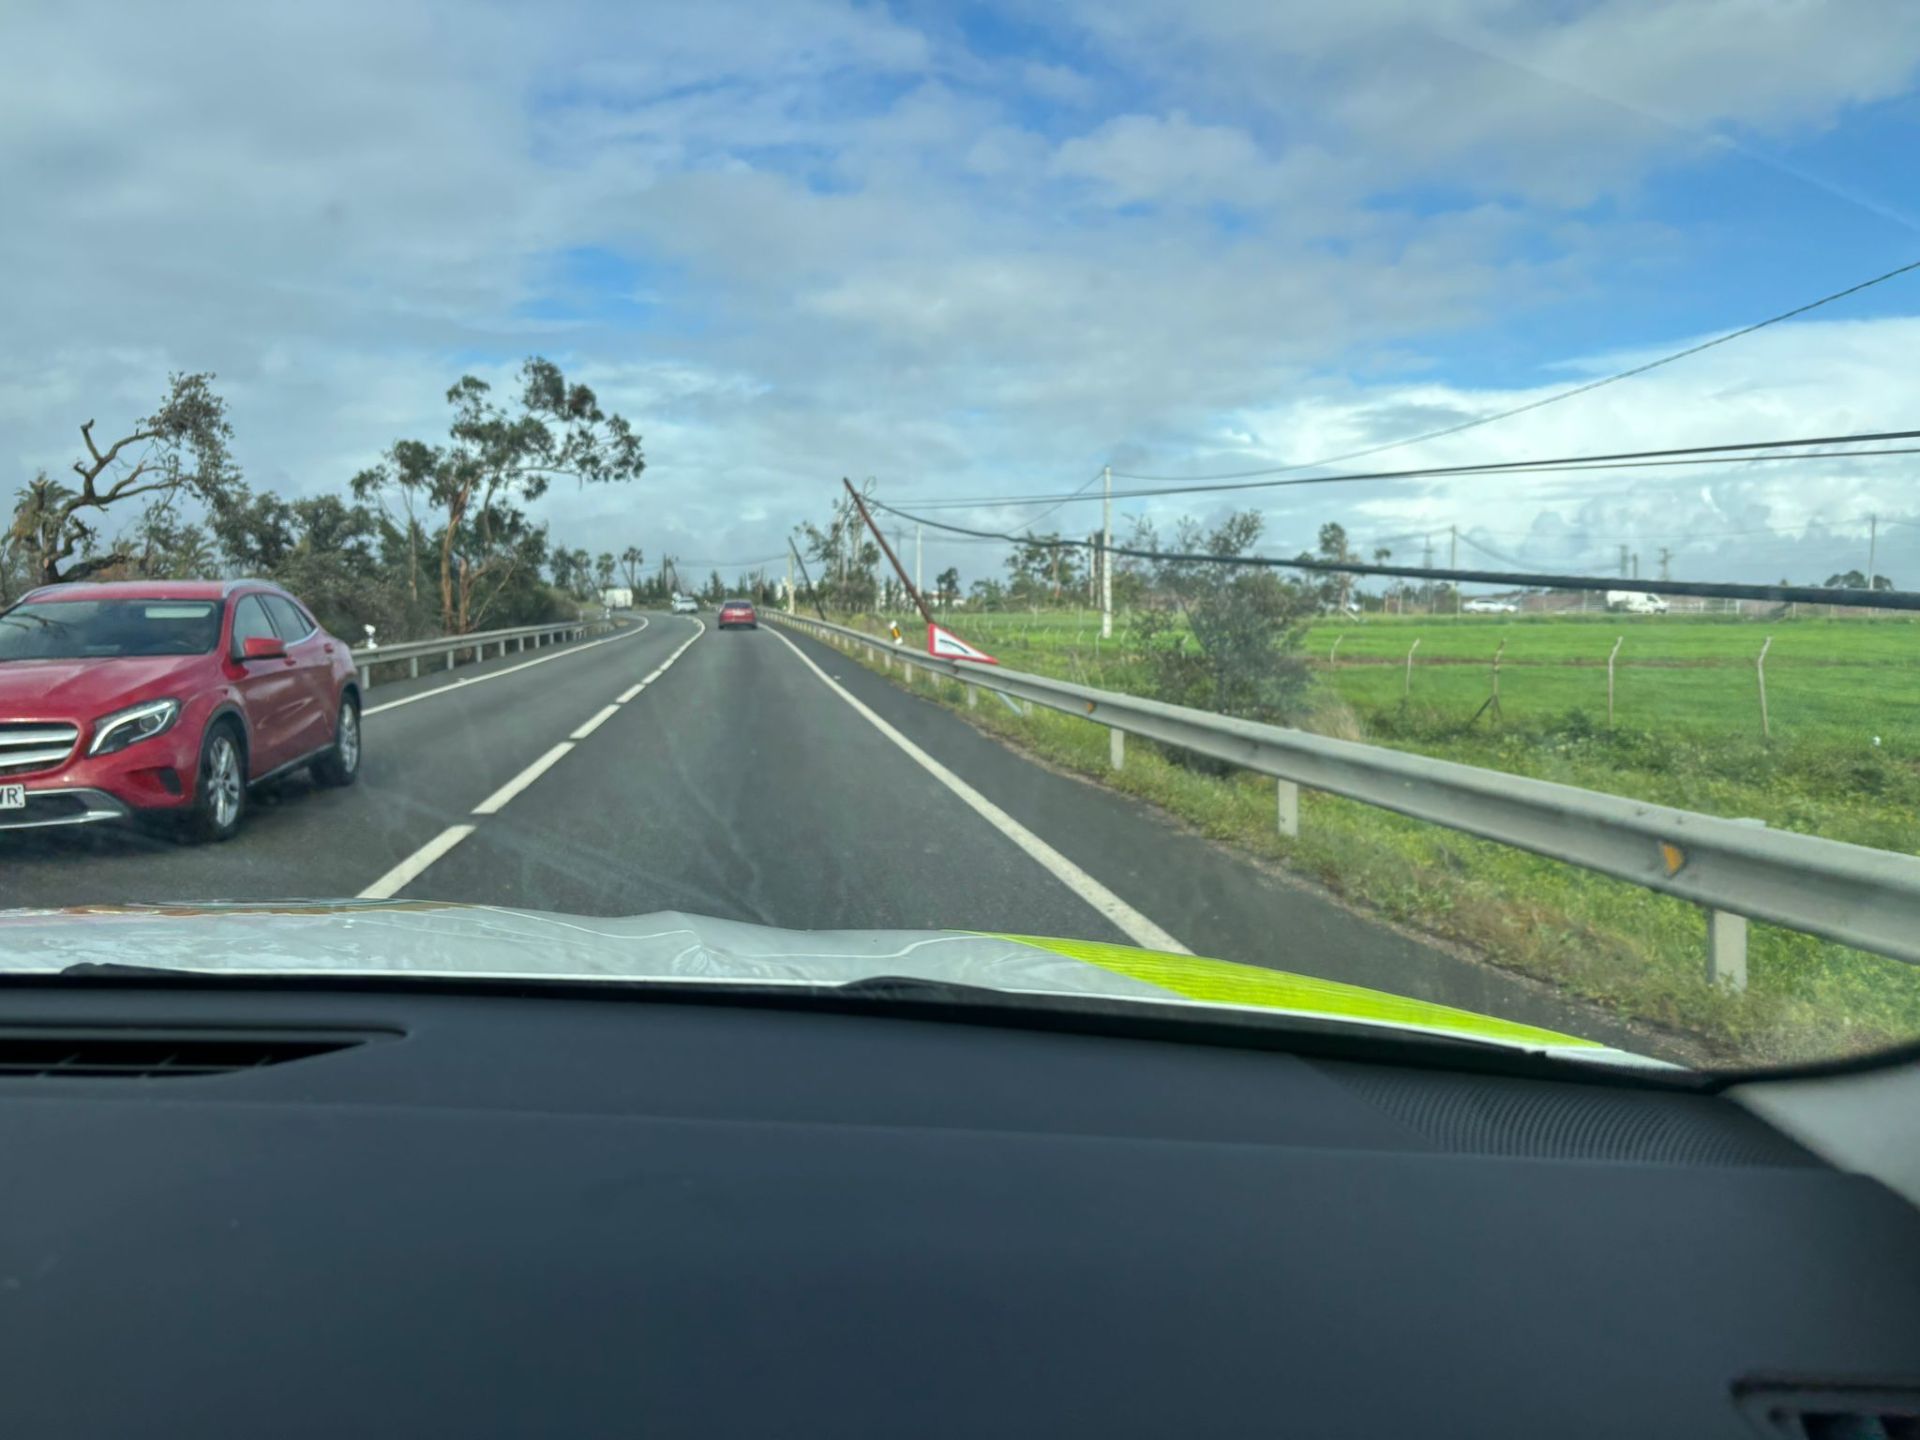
(1636, 602)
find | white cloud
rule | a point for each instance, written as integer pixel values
(865, 252)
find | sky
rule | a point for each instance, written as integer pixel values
(984, 250)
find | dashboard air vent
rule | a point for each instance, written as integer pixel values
(139, 1053)
(1832, 1412)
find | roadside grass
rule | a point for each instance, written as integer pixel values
(1635, 952)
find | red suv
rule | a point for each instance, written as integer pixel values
(167, 698)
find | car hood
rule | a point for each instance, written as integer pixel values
(426, 938)
(85, 689)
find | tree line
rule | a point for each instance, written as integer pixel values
(434, 538)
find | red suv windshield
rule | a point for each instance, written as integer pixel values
(109, 629)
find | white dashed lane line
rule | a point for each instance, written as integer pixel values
(416, 864)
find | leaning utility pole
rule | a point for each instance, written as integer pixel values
(795, 554)
(918, 582)
(893, 559)
(1106, 554)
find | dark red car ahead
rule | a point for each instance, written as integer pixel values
(739, 612)
(167, 698)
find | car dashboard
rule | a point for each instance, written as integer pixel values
(480, 1209)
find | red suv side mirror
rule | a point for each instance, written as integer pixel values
(262, 647)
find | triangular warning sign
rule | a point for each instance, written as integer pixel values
(948, 646)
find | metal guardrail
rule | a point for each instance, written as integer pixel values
(523, 637)
(1736, 869)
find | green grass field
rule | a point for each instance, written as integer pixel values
(1686, 733)
(1834, 681)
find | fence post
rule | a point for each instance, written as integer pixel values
(1406, 689)
(1760, 672)
(1117, 748)
(1287, 808)
(1610, 654)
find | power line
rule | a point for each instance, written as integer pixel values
(1532, 580)
(1621, 460)
(1098, 475)
(1494, 554)
(1554, 399)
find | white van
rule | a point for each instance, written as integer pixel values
(1636, 602)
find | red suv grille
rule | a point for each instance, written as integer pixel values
(29, 745)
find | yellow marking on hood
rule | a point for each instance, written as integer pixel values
(1225, 982)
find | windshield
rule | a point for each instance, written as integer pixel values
(108, 629)
(1371, 511)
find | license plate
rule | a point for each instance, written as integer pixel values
(13, 797)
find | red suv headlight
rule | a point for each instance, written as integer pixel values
(114, 733)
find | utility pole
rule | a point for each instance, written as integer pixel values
(793, 555)
(1665, 556)
(1427, 564)
(1106, 555)
(789, 577)
(1636, 564)
(1623, 562)
(1453, 561)
(887, 550)
(918, 583)
(1873, 536)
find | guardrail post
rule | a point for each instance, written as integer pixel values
(973, 697)
(1727, 949)
(413, 668)
(1727, 940)
(450, 655)
(1287, 808)
(1117, 748)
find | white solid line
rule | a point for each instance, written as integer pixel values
(511, 669)
(631, 691)
(497, 801)
(1137, 927)
(411, 868)
(595, 723)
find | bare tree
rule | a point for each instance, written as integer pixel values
(180, 449)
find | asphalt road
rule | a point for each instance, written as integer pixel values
(752, 775)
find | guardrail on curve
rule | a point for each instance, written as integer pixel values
(1734, 869)
(520, 637)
